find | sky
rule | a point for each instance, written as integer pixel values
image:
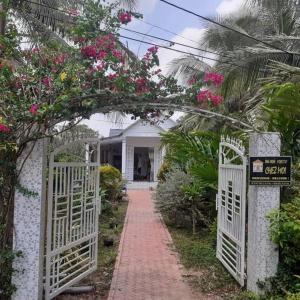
(186, 29)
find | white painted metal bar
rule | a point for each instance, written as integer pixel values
(72, 221)
(232, 207)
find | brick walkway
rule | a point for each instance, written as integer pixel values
(146, 268)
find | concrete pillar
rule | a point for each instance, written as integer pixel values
(29, 222)
(124, 158)
(262, 257)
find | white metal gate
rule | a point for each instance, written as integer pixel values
(72, 217)
(231, 205)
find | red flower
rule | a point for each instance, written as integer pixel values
(4, 128)
(205, 95)
(47, 81)
(153, 50)
(215, 78)
(125, 17)
(192, 81)
(60, 59)
(102, 55)
(112, 76)
(89, 51)
(106, 42)
(34, 109)
(117, 54)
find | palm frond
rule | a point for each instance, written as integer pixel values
(187, 67)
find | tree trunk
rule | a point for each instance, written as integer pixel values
(2, 18)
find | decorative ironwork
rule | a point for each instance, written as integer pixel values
(72, 218)
(231, 205)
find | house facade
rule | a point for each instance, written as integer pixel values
(136, 150)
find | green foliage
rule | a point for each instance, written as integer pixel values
(25, 191)
(195, 153)
(285, 232)
(7, 256)
(111, 182)
(282, 114)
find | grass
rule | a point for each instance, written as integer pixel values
(204, 272)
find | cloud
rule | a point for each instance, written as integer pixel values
(229, 6)
(192, 37)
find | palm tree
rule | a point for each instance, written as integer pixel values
(46, 18)
(272, 21)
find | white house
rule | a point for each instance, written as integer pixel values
(136, 150)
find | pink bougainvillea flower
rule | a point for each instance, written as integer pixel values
(102, 55)
(192, 81)
(73, 12)
(216, 100)
(34, 109)
(4, 128)
(35, 50)
(215, 78)
(106, 42)
(60, 59)
(117, 54)
(89, 51)
(112, 76)
(153, 50)
(203, 95)
(47, 81)
(125, 17)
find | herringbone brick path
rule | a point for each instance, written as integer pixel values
(146, 267)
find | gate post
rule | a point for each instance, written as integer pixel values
(262, 259)
(29, 221)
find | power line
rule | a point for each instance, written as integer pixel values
(180, 51)
(167, 30)
(176, 43)
(224, 26)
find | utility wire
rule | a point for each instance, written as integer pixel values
(180, 51)
(175, 43)
(167, 30)
(224, 26)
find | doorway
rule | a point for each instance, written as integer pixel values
(143, 164)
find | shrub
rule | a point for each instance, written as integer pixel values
(183, 202)
(111, 182)
(163, 171)
(285, 232)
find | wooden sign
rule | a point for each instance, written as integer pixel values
(270, 170)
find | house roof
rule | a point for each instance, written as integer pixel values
(117, 133)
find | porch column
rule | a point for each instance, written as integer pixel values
(29, 222)
(262, 258)
(124, 158)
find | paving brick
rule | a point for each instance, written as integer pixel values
(146, 267)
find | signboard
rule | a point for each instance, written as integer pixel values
(270, 170)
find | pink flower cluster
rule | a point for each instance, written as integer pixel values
(153, 50)
(34, 109)
(73, 12)
(192, 81)
(205, 95)
(60, 59)
(47, 81)
(141, 85)
(106, 42)
(215, 78)
(4, 128)
(117, 54)
(125, 17)
(89, 51)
